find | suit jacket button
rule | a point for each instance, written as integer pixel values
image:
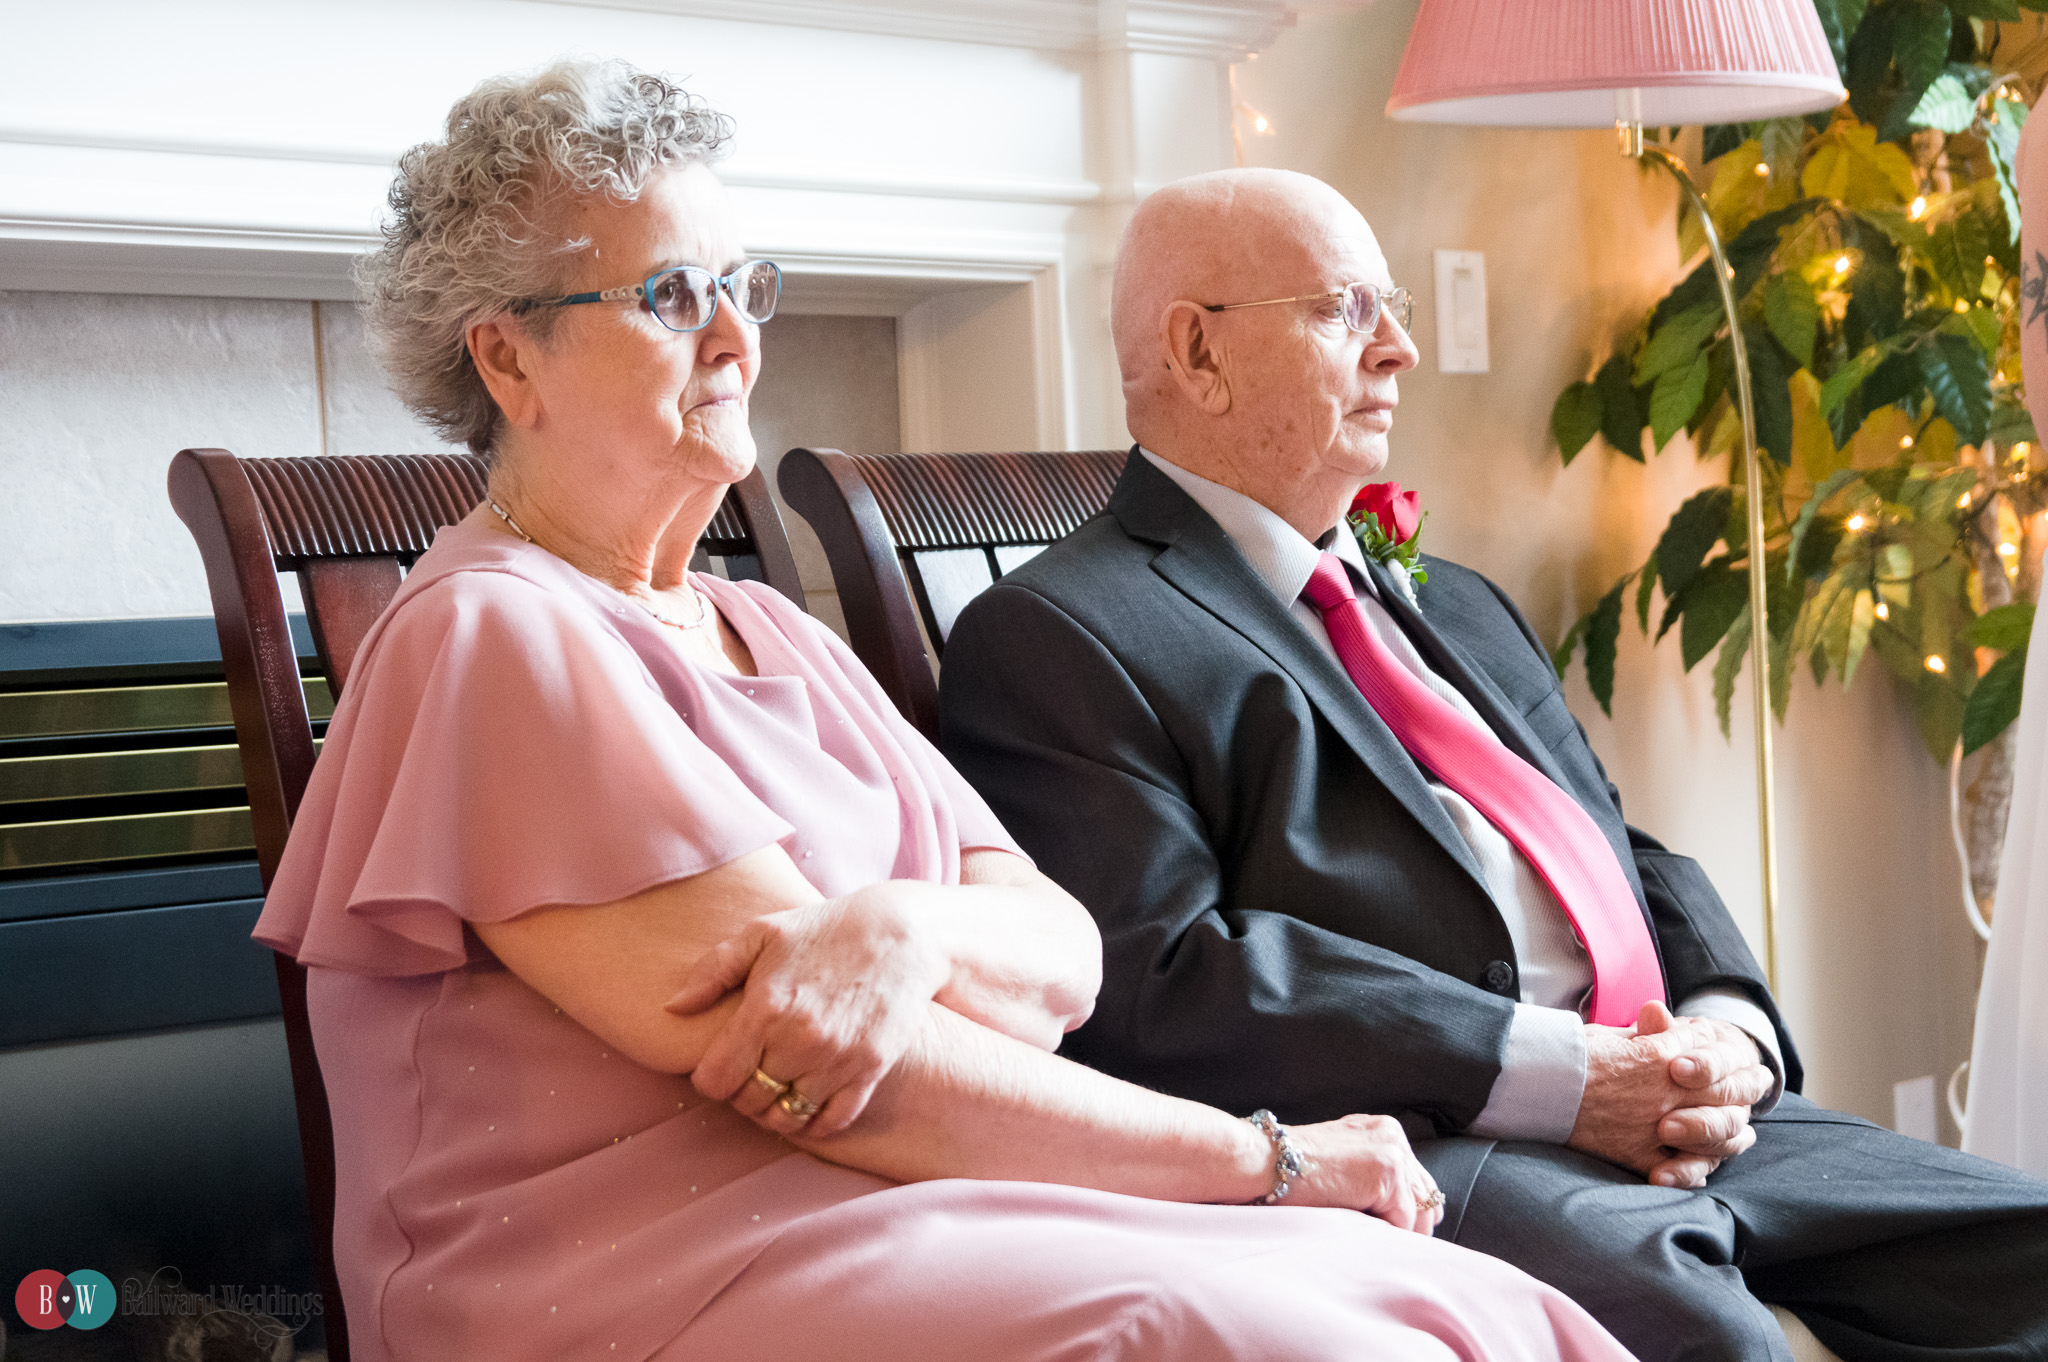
(1499, 976)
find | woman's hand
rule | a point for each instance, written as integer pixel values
(835, 992)
(1364, 1163)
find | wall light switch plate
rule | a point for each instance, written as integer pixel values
(1461, 312)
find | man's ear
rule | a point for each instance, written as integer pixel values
(1196, 367)
(503, 352)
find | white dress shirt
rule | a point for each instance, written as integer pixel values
(1543, 1076)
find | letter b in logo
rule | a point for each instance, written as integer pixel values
(46, 1299)
(43, 1299)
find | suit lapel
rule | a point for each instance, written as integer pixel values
(1198, 558)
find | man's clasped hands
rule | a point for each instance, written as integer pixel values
(1670, 1096)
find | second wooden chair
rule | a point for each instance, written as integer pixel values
(911, 538)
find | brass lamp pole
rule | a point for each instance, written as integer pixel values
(1632, 144)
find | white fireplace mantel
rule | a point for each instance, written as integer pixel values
(964, 165)
(1225, 29)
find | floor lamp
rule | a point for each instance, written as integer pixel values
(1626, 63)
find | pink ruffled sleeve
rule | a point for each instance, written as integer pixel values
(500, 750)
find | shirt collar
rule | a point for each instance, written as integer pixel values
(1283, 560)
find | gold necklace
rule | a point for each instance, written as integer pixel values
(704, 615)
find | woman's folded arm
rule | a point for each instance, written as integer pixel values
(859, 991)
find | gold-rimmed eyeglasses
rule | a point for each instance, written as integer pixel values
(1363, 304)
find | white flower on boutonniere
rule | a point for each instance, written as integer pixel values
(1388, 524)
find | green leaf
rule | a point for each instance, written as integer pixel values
(2006, 628)
(1958, 249)
(1575, 418)
(2011, 422)
(1561, 655)
(1648, 579)
(1729, 665)
(1938, 705)
(1960, 383)
(1981, 325)
(1689, 537)
(1749, 254)
(2002, 143)
(1718, 139)
(1768, 377)
(1850, 377)
(2007, 10)
(1781, 674)
(1782, 596)
(1920, 37)
(1862, 614)
(1802, 525)
(1838, 19)
(1869, 62)
(1920, 40)
(1877, 287)
(1675, 398)
(1603, 634)
(1716, 597)
(1676, 342)
(1792, 313)
(1948, 105)
(1621, 419)
(1995, 702)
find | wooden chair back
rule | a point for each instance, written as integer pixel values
(911, 538)
(349, 527)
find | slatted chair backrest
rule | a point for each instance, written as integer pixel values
(349, 527)
(911, 538)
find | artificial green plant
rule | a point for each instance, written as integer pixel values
(1877, 268)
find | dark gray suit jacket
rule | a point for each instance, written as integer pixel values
(1289, 918)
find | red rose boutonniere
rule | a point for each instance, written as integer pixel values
(1388, 523)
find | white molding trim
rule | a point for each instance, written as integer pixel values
(829, 180)
(1191, 28)
(740, 171)
(1222, 30)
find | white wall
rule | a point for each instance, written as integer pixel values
(1878, 971)
(98, 392)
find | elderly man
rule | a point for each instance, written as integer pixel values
(1350, 851)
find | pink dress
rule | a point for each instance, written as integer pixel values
(517, 735)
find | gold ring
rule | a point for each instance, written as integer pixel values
(775, 1086)
(797, 1105)
(1435, 1200)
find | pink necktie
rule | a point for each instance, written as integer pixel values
(1559, 838)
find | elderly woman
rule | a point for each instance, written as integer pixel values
(675, 999)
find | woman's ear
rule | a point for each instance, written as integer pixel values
(504, 353)
(1197, 367)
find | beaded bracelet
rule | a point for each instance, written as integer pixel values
(1287, 1161)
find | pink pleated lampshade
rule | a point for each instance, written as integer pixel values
(1589, 63)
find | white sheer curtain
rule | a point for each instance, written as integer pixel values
(2008, 1106)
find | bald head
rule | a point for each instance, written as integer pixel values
(1283, 403)
(1225, 237)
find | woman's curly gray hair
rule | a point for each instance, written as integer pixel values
(470, 236)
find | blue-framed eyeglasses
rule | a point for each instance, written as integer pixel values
(686, 298)
(1363, 304)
